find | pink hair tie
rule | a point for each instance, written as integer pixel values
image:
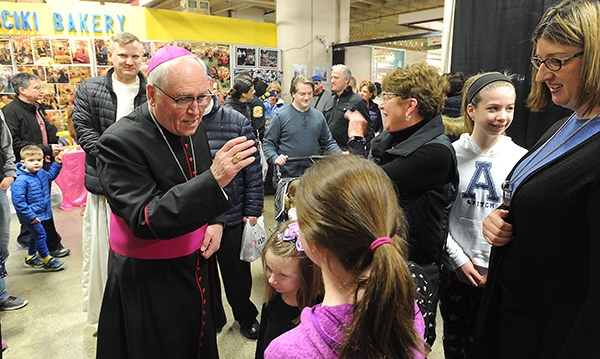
(379, 241)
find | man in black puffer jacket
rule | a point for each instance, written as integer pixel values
(99, 103)
(245, 193)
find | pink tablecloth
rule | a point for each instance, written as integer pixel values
(70, 180)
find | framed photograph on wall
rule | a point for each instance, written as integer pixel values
(79, 73)
(56, 118)
(102, 70)
(101, 52)
(321, 71)
(66, 95)
(245, 56)
(6, 73)
(49, 98)
(299, 69)
(158, 44)
(265, 75)
(216, 56)
(22, 50)
(57, 74)
(35, 70)
(61, 51)
(147, 55)
(42, 54)
(269, 58)
(5, 55)
(80, 50)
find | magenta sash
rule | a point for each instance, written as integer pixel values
(124, 243)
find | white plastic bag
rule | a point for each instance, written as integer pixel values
(253, 240)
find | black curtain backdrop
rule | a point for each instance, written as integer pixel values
(496, 36)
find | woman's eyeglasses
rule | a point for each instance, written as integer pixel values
(553, 64)
(388, 96)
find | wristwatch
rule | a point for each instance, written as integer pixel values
(357, 138)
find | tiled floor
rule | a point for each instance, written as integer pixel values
(53, 325)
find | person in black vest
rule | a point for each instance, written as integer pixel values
(419, 158)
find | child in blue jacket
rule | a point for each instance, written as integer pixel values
(31, 199)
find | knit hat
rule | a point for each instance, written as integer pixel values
(165, 54)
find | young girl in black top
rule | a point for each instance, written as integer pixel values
(294, 282)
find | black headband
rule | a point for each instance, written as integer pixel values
(482, 82)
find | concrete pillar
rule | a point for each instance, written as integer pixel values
(305, 31)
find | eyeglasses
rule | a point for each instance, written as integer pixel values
(552, 63)
(388, 96)
(186, 102)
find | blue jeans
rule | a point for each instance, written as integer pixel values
(38, 239)
(3, 293)
(4, 224)
(4, 237)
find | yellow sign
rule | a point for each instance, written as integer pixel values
(91, 20)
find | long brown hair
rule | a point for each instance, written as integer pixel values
(344, 203)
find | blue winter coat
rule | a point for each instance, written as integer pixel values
(245, 191)
(31, 193)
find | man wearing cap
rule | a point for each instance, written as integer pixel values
(320, 95)
(378, 96)
(167, 203)
(100, 102)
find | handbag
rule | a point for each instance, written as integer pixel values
(253, 240)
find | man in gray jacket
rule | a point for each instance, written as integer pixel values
(298, 130)
(344, 99)
(320, 95)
